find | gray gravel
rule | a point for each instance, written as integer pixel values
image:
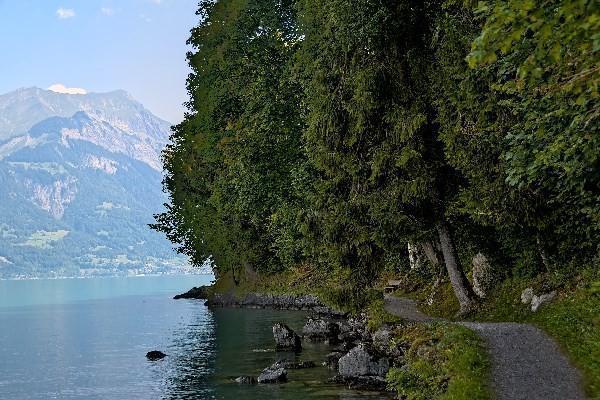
(526, 364)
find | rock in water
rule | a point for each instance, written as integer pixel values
(527, 295)
(245, 380)
(286, 338)
(362, 361)
(269, 375)
(483, 275)
(320, 329)
(537, 301)
(155, 355)
(290, 364)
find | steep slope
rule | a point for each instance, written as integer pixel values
(78, 192)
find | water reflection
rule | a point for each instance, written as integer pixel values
(192, 358)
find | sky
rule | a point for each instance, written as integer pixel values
(98, 46)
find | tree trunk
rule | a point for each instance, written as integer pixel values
(431, 250)
(460, 284)
(542, 252)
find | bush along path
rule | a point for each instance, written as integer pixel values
(526, 364)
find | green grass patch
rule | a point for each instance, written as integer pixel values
(444, 361)
(378, 316)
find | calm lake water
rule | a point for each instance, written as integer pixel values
(87, 339)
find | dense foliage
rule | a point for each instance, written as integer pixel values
(330, 133)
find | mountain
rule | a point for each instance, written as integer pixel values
(80, 178)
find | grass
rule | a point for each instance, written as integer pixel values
(444, 361)
(377, 316)
(573, 319)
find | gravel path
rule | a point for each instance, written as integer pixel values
(526, 364)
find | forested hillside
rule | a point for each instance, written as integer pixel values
(330, 134)
(79, 181)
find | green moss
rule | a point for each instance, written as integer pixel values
(444, 361)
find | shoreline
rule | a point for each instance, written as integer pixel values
(57, 278)
(360, 357)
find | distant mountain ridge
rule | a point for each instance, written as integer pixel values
(80, 178)
(114, 120)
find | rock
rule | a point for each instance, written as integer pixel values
(332, 359)
(483, 275)
(194, 293)
(527, 295)
(245, 380)
(289, 364)
(155, 355)
(285, 338)
(278, 302)
(269, 375)
(382, 341)
(415, 256)
(320, 329)
(382, 337)
(538, 301)
(353, 329)
(361, 361)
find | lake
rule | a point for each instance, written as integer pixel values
(87, 339)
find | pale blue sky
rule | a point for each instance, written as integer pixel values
(99, 45)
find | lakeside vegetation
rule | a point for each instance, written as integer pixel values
(327, 140)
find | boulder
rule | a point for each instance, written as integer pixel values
(527, 295)
(537, 301)
(245, 380)
(317, 329)
(286, 338)
(277, 375)
(155, 355)
(382, 337)
(483, 275)
(353, 330)
(362, 361)
(383, 343)
(415, 256)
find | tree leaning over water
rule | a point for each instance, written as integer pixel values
(330, 133)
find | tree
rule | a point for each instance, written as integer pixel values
(372, 134)
(230, 163)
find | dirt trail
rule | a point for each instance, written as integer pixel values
(526, 364)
